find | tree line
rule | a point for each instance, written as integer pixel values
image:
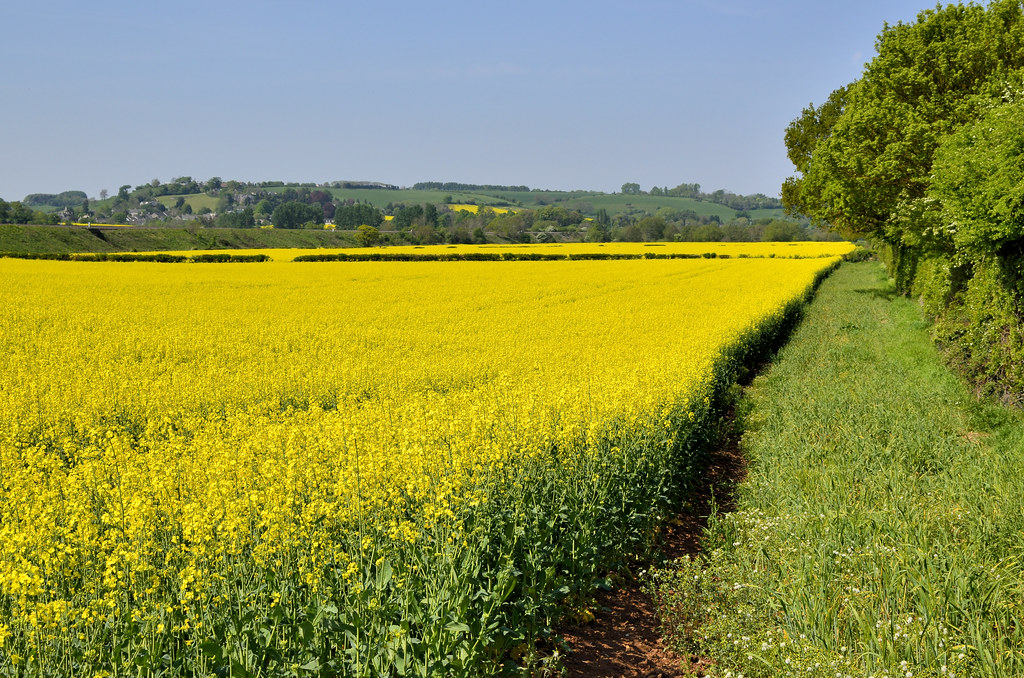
(65, 199)
(922, 156)
(429, 224)
(720, 197)
(456, 186)
(18, 213)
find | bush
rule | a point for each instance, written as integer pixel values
(858, 254)
(982, 333)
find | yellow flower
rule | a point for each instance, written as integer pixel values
(170, 433)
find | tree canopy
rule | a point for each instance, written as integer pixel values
(922, 154)
(295, 214)
(865, 155)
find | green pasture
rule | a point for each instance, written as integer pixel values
(196, 201)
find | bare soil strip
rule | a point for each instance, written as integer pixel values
(624, 640)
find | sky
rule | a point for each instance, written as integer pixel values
(554, 94)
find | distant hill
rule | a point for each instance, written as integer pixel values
(426, 213)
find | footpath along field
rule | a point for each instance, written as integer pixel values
(329, 469)
(880, 529)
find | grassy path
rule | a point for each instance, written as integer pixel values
(880, 529)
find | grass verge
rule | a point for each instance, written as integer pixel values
(64, 240)
(878, 532)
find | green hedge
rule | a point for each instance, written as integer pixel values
(496, 256)
(161, 257)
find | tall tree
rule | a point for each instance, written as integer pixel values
(865, 156)
(295, 214)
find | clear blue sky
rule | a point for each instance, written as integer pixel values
(575, 94)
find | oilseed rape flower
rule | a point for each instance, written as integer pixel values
(345, 467)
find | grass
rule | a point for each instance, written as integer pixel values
(879, 529)
(769, 213)
(62, 240)
(50, 239)
(616, 203)
(196, 201)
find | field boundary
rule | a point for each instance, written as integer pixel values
(623, 640)
(159, 257)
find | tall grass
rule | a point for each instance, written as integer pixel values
(879, 531)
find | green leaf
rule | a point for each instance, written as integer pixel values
(457, 627)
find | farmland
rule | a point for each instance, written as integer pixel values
(196, 202)
(348, 469)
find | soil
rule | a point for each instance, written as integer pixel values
(624, 640)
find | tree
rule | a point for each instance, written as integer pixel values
(598, 232)
(653, 228)
(737, 231)
(781, 231)
(511, 227)
(406, 217)
(430, 214)
(979, 180)
(632, 233)
(352, 216)
(865, 156)
(707, 233)
(17, 213)
(103, 194)
(424, 234)
(685, 191)
(922, 155)
(243, 219)
(294, 214)
(43, 218)
(224, 203)
(264, 208)
(631, 189)
(367, 235)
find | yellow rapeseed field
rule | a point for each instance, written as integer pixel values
(351, 469)
(728, 249)
(476, 208)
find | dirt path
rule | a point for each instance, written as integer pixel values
(623, 641)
